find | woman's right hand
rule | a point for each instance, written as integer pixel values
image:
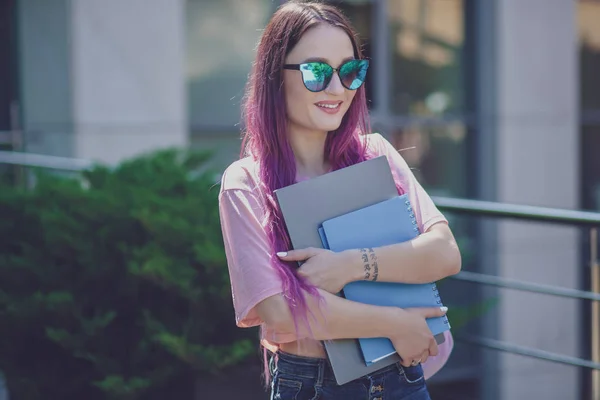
(412, 337)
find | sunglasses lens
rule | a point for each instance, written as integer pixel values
(353, 73)
(316, 75)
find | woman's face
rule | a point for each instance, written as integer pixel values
(318, 112)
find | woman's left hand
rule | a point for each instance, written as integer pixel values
(323, 268)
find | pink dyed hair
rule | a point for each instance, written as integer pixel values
(265, 136)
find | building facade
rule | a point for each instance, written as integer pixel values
(495, 100)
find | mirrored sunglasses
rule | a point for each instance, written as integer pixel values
(317, 75)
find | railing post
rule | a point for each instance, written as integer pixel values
(595, 277)
(3, 389)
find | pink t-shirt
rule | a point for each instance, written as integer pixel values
(249, 254)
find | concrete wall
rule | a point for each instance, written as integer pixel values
(129, 91)
(537, 164)
(103, 79)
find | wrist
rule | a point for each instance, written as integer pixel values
(354, 265)
(393, 324)
(363, 264)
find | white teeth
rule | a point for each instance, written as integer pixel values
(328, 105)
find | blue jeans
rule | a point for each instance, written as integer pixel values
(304, 378)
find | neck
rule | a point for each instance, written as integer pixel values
(309, 152)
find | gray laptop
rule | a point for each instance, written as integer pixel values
(305, 205)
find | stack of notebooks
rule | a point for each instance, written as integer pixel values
(352, 208)
(389, 222)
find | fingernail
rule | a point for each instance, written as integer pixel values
(282, 254)
(444, 309)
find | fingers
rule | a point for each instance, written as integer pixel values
(416, 359)
(425, 356)
(413, 358)
(429, 312)
(433, 348)
(298, 255)
(406, 362)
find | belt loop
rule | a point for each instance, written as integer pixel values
(400, 368)
(320, 373)
(273, 364)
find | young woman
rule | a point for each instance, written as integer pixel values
(306, 114)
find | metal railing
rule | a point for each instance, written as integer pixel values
(478, 208)
(590, 220)
(44, 161)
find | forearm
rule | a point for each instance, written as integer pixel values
(334, 318)
(427, 258)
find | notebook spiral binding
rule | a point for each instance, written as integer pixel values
(439, 300)
(411, 214)
(416, 228)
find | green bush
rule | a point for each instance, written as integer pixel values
(114, 284)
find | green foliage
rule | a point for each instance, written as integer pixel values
(114, 285)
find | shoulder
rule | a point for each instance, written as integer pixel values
(241, 174)
(378, 145)
(240, 198)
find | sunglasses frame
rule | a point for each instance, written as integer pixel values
(297, 67)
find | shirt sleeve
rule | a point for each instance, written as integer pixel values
(426, 212)
(247, 248)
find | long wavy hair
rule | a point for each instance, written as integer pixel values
(265, 137)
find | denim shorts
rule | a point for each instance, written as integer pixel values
(304, 378)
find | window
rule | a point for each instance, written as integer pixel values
(588, 15)
(360, 12)
(589, 81)
(426, 40)
(221, 38)
(428, 104)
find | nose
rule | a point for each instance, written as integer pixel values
(335, 87)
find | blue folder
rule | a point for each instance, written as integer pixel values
(389, 222)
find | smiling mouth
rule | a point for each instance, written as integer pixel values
(329, 106)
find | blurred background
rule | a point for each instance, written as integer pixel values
(117, 116)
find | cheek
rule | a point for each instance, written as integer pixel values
(349, 98)
(297, 98)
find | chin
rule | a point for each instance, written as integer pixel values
(328, 126)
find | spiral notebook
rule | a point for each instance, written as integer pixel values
(387, 222)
